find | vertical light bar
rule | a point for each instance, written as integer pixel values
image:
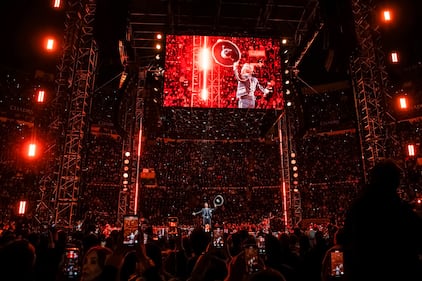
(31, 150)
(57, 3)
(138, 166)
(394, 57)
(403, 103)
(50, 44)
(285, 204)
(40, 97)
(387, 15)
(205, 65)
(283, 185)
(22, 207)
(411, 150)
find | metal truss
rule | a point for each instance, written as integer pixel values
(370, 80)
(291, 195)
(74, 93)
(59, 187)
(132, 124)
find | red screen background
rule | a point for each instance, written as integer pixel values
(184, 78)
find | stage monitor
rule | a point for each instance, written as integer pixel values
(222, 72)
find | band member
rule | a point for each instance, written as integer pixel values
(246, 86)
(206, 213)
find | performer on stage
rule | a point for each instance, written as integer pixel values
(246, 86)
(206, 213)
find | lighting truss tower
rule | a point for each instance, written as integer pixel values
(292, 214)
(75, 88)
(59, 187)
(370, 79)
(132, 124)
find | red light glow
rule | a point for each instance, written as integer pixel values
(57, 3)
(32, 149)
(50, 44)
(403, 103)
(40, 97)
(22, 207)
(394, 57)
(386, 15)
(411, 149)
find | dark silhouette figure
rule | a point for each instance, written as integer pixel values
(382, 234)
(17, 261)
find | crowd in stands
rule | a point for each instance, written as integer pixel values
(190, 171)
(330, 111)
(296, 255)
(198, 155)
(216, 124)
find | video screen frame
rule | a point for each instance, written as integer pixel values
(200, 71)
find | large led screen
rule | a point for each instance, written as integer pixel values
(222, 72)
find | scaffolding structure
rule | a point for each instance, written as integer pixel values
(132, 124)
(292, 213)
(60, 189)
(369, 78)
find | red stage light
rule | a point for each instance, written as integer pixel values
(32, 150)
(22, 207)
(386, 15)
(57, 3)
(411, 150)
(403, 103)
(49, 44)
(41, 95)
(394, 57)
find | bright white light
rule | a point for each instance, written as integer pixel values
(31, 150)
(411, 149)
(40, 97)
(394, 57)
(387, 15)
(22, 207)
(50, 44)
(204, 94)
(403, 103)
(57, 3)
(204, 58)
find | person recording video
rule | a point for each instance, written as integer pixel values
(246, 85)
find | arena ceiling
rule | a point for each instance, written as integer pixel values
(296, 20)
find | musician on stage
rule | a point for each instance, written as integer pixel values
(206, 213)
(246, 85)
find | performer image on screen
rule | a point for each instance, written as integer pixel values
(246, 85)
(206, 213)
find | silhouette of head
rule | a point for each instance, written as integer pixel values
(17, 260)
(385, 175)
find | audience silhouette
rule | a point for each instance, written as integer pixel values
(382, 232)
